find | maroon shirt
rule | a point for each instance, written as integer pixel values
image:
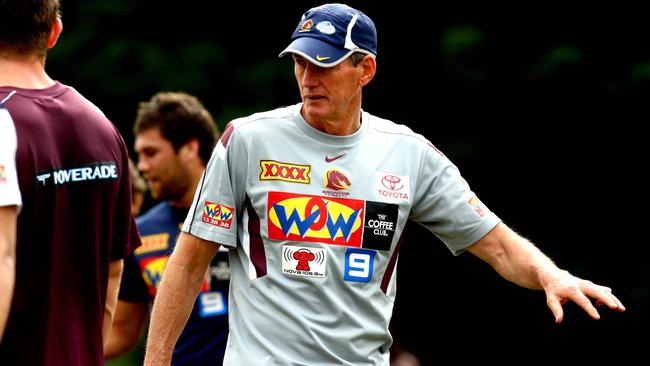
(76, 218)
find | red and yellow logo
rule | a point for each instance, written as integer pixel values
(306, 26)
(336, 180)
(154, 242)
(477, 205)
(3, 175)
(277, 170)
(217, 215)
(318, 219)
(152, 271)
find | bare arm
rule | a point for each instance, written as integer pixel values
(8, 218)
(176, 294)
(126, 329)
(114, 277)
(519, 261)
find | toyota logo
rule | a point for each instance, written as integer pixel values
(392, 182)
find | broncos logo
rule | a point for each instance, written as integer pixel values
(336, 180)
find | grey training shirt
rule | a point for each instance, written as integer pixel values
(314, 223)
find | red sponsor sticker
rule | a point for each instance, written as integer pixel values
(217, 215)
(308, 218)
(477, 205)
(288, 172)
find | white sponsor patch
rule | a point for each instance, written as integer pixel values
(326, 27)
(303, 261)
(392, 187)
(89, 172)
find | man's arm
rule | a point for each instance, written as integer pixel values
(8, 218)
(519, 261)
(114, 277)
(127, 328)
(178, 289)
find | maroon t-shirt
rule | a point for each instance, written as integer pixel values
(76, 217)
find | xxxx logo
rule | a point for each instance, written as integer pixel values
(153, 242)
(277, 170)
(326, 220)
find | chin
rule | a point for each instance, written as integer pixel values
(314, 109)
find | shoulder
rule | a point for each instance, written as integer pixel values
(7, 129)
(264, 120)
(258, 123)
(76, 102)
(83, 109)
(389, 130)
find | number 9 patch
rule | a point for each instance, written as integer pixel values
(359, 264)
(212, 304)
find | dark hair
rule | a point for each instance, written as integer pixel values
(357, 57)
(25, 26)
(181, 118)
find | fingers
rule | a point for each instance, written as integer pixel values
(581, 296)
(555, 304)
(584, 302)
(604, 296)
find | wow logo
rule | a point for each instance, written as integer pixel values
(318, 219)
(152, 271)
(217, 215)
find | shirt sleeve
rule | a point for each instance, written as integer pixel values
(445, 205)
(9, 189)
(126, 237)
(133, 288)
(219, 197)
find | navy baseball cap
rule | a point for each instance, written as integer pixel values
(326, 35)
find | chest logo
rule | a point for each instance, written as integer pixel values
(307, 218)
(329, 160)
(153, 242)
(392, 187)
(287, 172)
(336, 180)
(303, 261)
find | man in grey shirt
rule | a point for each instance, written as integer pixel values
(312, 199)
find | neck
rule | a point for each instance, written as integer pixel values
(339, 123)
(185, 201)
(187, 197)
(339, 127)
(26, 72)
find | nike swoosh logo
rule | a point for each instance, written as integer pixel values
(329, 160)
(319, 58)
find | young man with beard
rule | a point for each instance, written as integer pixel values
(174, 138)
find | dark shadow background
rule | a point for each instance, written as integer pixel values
(541, 107)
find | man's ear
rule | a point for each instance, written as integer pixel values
(189, 150)
(55, 32)
(369, 67)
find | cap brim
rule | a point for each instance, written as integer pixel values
(317, 52)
